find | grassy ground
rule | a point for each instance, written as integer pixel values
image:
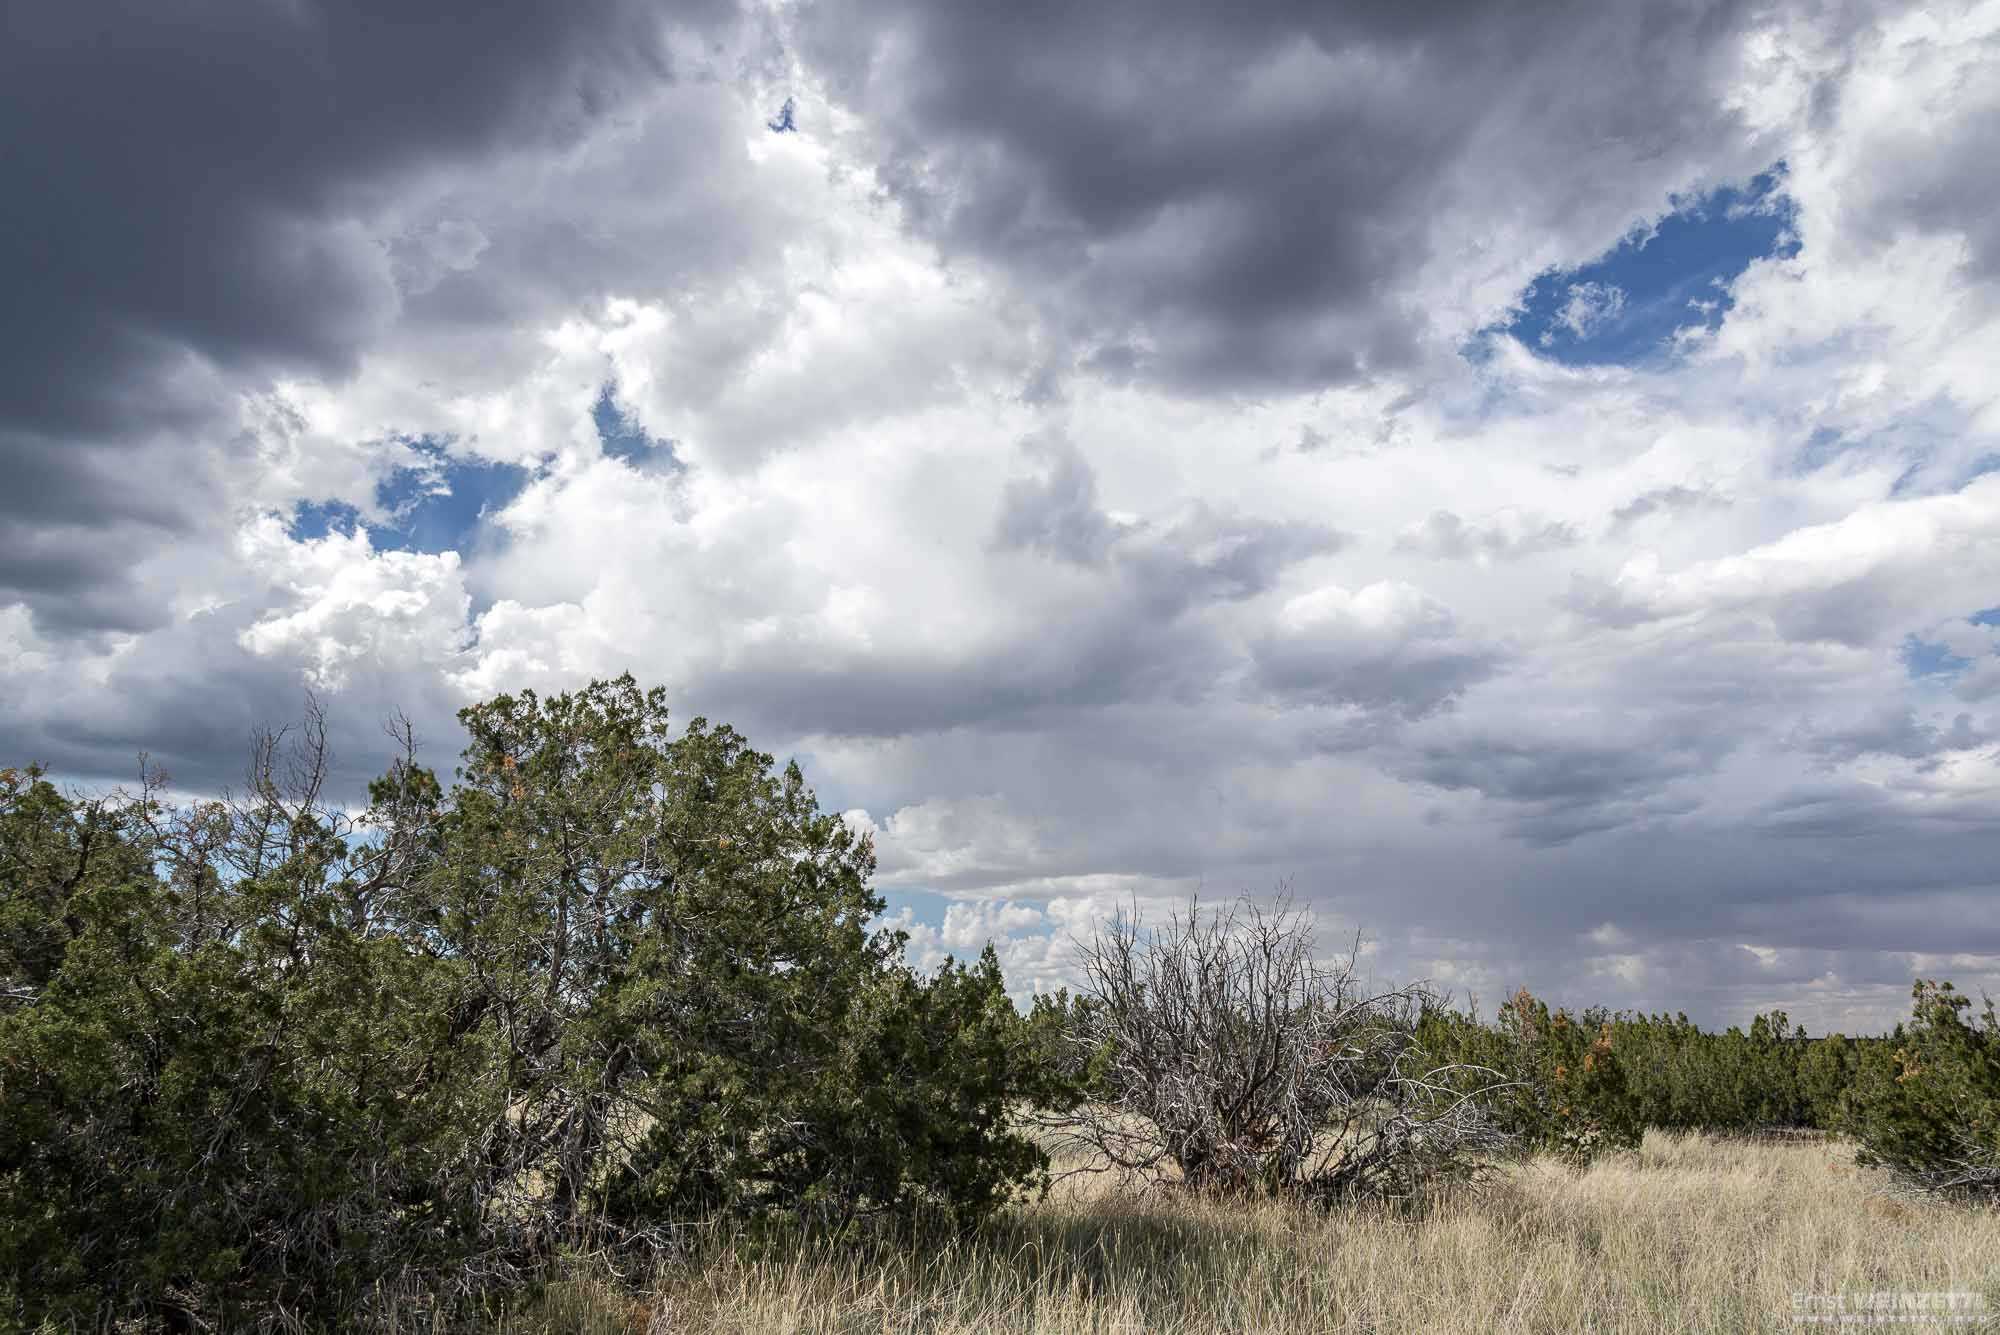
(1686, 1234)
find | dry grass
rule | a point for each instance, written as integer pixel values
(1686, 1234)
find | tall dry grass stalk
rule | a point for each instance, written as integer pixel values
(1686, 1234)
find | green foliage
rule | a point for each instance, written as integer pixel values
(260, 1059)
(905, 1114)
(662, 931)
(234, 1100)
(1926, 1104)
(1567, 1085)
(1595, 1082)
(1827, 1072)
(1068, 1049)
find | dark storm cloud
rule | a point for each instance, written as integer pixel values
(189, 167)
(76, 518)
(72, 577)
(1054, 675)
(189, 194)
(1239, 196)
(1679, 890)
(1558, 789)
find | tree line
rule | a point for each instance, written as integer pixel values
(269, 1058)
(1923, 1100)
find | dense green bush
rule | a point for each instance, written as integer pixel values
(258, 1057)
(903, 1113)
(1566, 1082)
(215, 1092)
(1926, 1104)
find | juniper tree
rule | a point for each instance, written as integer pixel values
(1926, 1104)
(263, 1058)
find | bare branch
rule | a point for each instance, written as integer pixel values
(1228, 1057)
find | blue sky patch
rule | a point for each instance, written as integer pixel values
(434, 506)
(925, 906)
(316, 519)
(437, 505)
(1922, 658)
(1624, 306)
(1984, 464)
(1929, 438)
(621, 436)
(1822, 447)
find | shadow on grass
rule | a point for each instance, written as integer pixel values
(1165, 1257)
(1168, 1262)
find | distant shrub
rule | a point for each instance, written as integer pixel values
(1827, 1073)
(1566, 1087)
(1582, 1085)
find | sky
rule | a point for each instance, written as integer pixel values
(1525, 480)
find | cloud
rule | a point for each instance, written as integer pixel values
(1284, 196)
(1205, 555)
(1845, 581)
(1557, 788)
(1586, 307)
(1056, 513)
(1386, 646)
(1665, 500)
(1196, 556)
(348, 603)
(1445, 536)
(200, 173)
(1894, 732)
